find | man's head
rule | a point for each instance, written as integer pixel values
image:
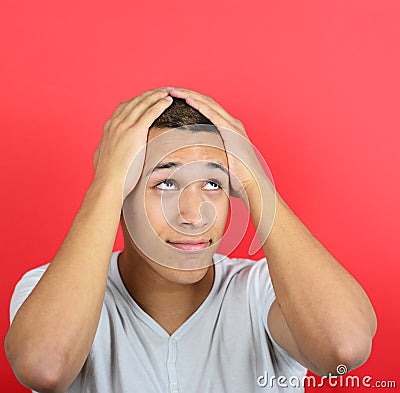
(177, 213)
(180, 114)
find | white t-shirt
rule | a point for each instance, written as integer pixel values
(224, 347)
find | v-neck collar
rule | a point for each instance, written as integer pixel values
(146, 318)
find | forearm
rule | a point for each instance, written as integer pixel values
(326, 310)
(53, 331)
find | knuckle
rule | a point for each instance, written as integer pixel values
(107, 126)
(114, 123)
(208, 98)
(239, 123)
(160, 93)
(119, 109)
(152, 91)
(149, 95)
(149, 100)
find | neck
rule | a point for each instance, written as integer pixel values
(170, 303)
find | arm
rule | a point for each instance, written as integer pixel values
(53, 331)
(321, 315)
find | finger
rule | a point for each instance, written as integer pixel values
(125, 107)
(151, 113)
(96, 155)
(142, 106)
(124, 104)
(185, 93)
(119, 109)
(138, 99)
(208, 111)
(134, 109)
(234, 138)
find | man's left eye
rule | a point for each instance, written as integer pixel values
(212, 185)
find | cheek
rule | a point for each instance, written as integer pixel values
(222, 210)
(154, 213)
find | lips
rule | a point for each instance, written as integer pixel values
(190, 245)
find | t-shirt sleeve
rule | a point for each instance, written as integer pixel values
(268, 296)
(24, 287)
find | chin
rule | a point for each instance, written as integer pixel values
(188, 276)
(179, 266)
(182, 276)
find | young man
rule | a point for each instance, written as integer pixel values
(168, 313)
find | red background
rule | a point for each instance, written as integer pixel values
(316, 84)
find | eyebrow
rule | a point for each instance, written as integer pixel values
(217, 165)
(175, 164)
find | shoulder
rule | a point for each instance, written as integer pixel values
(30, 278)
(249, 278)
(24, 287)
(243, 268)
(237, 264)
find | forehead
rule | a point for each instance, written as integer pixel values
(184, 146)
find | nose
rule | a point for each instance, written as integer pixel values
(191, 208)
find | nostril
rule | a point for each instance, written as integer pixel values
(205, 215)
(192, 217)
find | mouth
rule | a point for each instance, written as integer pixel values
(190, 245)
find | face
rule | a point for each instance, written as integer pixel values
(177, 213)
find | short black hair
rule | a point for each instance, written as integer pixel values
(181, 115)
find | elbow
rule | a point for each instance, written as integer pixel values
(348, 355)
(349, 350)
(38, 373)
(43, 382)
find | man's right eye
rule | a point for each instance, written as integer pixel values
(166, 185)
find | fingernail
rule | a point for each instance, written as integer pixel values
(168, 98)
